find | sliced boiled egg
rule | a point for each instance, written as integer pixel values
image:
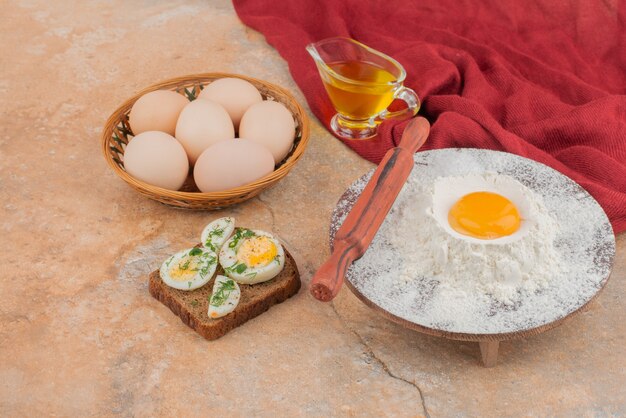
(482, 208)
(215, 234)
(225, 297)
(189, 269)
(252, 256)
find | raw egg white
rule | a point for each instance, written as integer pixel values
(215, 234)
(270, 124)
(201, 124)
(225, 297)
(485, 209)
(156, 111)
(252, 256)
(158, 159)
(231, 163)
(189, 269)
(235, 94)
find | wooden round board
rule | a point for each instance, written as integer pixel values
(584, 242)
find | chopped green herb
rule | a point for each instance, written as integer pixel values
(184, 266)
(190, 95)
(189, 283)
(195, 251)
(207, 256)
(222, 293)
(217, 232)
(194, 303)
(207, 265)
(240, 233)
(236, 268)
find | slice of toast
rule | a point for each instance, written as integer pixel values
(192, 306)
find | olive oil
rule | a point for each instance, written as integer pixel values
(361, 84)
(362, 90)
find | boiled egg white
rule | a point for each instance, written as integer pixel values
(225, 297)
(189, 269)
(215, 234)
(488, 208)
(252, 256)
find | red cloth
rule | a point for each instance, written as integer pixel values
(544, 79)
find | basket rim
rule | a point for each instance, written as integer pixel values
(286, 165)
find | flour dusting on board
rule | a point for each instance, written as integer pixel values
(505, 272)
(417, 271)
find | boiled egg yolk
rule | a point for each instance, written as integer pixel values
(186, 269)
(256, 251)
(484, 215)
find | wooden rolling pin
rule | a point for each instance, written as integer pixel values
(368, 213)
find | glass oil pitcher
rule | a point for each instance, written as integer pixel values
(361, 83)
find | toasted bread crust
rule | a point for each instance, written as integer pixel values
(192, 306)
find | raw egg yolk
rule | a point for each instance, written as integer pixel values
(256, 251)
(484, 215)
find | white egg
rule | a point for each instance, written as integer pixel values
(270, 124)
(252, 256)
(156, 111)
(448, 191)
(231, 163)
(235, 94)
(201, 124)
(158, 159)
(225, 297)
(215, 234)
(189, 269)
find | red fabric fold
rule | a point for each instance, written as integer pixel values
(542, 79)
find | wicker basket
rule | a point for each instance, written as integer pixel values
(117, 133)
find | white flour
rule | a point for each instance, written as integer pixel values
(503, 271)
(561, 262)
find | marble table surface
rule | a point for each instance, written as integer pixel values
(80, 334)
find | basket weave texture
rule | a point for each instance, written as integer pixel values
(117, 133)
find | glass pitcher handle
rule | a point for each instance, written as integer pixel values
(410, 98)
